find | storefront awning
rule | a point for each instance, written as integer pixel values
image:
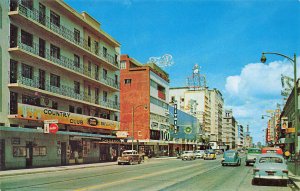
(28, 130)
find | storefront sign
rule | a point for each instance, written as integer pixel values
(30, 112)
(53, 128)
(122, 134)
(107, 140)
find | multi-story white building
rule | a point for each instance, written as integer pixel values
(239, 136)
(56, 64)
(195, 102)
(217, 103)
(228, 130)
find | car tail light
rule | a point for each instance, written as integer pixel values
(285, 171)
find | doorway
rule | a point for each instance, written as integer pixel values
(29, 154)
(63, 153)
(2, 154)
(104, 152)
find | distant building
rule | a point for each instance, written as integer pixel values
(229, 129)
(240, 136)
(248, 142)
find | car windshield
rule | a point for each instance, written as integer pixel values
(229, 154)
(209, 151)
(270, 160)
(254, 151)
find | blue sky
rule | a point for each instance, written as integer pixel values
(224, 37)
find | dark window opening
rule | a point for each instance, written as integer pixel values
(76, 61)
(71, 109)
(79, 110)
(54, 80)
(77, 36)
(27, 71)
(54, 105)
(76, 87)
(54, 19)
(104, 52)
(26, 38)
(54, 51)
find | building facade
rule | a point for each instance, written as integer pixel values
(57, 66)
(217, 103)
(144, 105)
(194, 102)
(229, 128)
(240, 136)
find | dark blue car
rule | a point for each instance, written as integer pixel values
(231, 157)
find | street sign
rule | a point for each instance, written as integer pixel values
(53, 128)
(51, 121)
(46, 128)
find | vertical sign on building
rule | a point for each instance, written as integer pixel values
(175, 118)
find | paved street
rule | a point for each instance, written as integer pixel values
(154, 174)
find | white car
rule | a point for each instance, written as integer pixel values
(188, 155)
(199, 153)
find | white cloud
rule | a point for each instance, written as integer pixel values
(254, 91)
(258, 80)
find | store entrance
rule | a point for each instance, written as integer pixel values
(63, 153)
(29, 154)
(104, 152)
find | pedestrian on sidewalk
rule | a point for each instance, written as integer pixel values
(76, 156)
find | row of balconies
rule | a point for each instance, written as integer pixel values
(65, 33)
(64, 62)
(68, 91)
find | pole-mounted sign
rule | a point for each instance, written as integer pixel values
(175, 118)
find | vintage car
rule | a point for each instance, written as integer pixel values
(188, 155)
(270, 166)
(251, 155)
(209, 154)
(231, 157)
(199, 153)
(130, 157)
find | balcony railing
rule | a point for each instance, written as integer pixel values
(64, 32)
(65, 91)
(63, 61)
(110, 82)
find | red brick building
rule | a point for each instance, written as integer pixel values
(144, 85)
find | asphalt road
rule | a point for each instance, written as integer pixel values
(155, 174)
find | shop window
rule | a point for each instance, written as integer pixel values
(19, 151)
(39, 151)
(54, 105)
(71, 109)
(79, 110)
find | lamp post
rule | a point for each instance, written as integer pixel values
(294, 62)
(133, 110)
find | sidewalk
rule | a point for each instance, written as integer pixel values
(295, 180)
(62, 168)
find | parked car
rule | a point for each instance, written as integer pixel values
(219, 151)
(199, 153)
(130, 157)
(188, 155)
(251, 155)
(231, 157)
(209, 154)
(270, 166)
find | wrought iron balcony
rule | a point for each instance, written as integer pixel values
(65, 91)
(63, 61)
(110, 82)
(65, 33)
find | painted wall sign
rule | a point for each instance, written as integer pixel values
(40, 114)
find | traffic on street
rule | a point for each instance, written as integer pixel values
(164, 174)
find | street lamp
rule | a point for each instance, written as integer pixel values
(294, 62)
(133, 110)
(262, 116)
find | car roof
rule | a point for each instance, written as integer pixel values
(230, 151)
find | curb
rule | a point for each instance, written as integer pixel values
(293, 182)
(56, 169)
